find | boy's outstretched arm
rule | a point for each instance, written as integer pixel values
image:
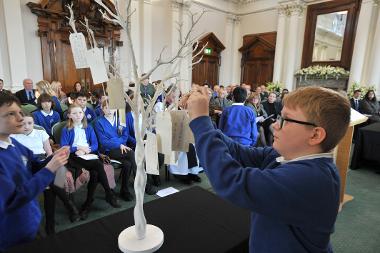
(14, 195)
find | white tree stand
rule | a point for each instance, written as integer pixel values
(128, 242)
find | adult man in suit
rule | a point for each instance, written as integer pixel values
(2, 87)
(27, 95)
(355, 100)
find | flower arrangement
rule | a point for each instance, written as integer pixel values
(356, 86)
(274, 87)
(323, 72)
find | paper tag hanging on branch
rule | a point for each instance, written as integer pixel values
(115, 93)
(98, 68)
(151, 154)
(181, 132)
(164, 134)
(79, 49)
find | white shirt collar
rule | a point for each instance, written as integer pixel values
(78, 126)
(6, 144)
(282, 160)
(84, 109)
(238, 104)
(46, 114)
(32, 134)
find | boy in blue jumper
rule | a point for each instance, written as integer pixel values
(293, 188)
(81, 100)
(20, 214)
(239, 121)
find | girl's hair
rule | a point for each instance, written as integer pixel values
(44, 97)
(44, 86)
(75, 86)
(254, 95)
(70, 123)
(54, 87)
(104, 103)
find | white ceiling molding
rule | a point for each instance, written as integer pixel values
(255, 6)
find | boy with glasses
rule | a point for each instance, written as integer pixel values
(291, 188)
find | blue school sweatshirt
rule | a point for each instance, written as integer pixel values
(90, 114)
(108, 135)
(57, 105)
(46, 121)
(67, 139)
(239, 123)
(293, 205)
(130, 124)
(20, 214)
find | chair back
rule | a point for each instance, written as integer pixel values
(29, 108)
(56, 131)
(38, 127)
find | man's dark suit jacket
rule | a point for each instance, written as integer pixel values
(352, 102)
(21, 95)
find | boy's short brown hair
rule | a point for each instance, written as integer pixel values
(325, 108)
(45, 98)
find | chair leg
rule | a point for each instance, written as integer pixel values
(167, 173)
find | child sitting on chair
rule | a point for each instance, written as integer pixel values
(46, 116)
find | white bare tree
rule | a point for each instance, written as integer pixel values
(187, 47)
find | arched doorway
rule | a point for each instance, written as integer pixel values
(207, 70)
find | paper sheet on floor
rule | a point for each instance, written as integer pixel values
(167, 191)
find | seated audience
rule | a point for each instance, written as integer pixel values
(46, 116)
(253, 102)
(371, 106)
(273, 109)
(81, 100)
(44, 87)
(81, 139)
(355, 101)
(27, 95)
(38, 142)
(113, 139)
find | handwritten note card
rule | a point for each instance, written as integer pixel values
(151, 155)
(79, 49)
(181, 132)
(98, 68)
(116, 93)
(164, 134)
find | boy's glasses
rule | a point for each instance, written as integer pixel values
(281, 121)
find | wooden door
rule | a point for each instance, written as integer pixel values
(53, 29)
(258, 58)
(207, 70)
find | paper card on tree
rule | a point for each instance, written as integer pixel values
(151, 154)
(79, 49)
(116, 93)
(181, 132)
(164, 133)
(98, 68)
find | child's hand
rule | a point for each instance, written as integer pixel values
(80, 152)
(124, 149)
(198, 103)
(59, 159)
(85, 149)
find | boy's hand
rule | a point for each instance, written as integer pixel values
(59, 159)
(197, 103)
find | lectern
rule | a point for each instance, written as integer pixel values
(342, 155)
